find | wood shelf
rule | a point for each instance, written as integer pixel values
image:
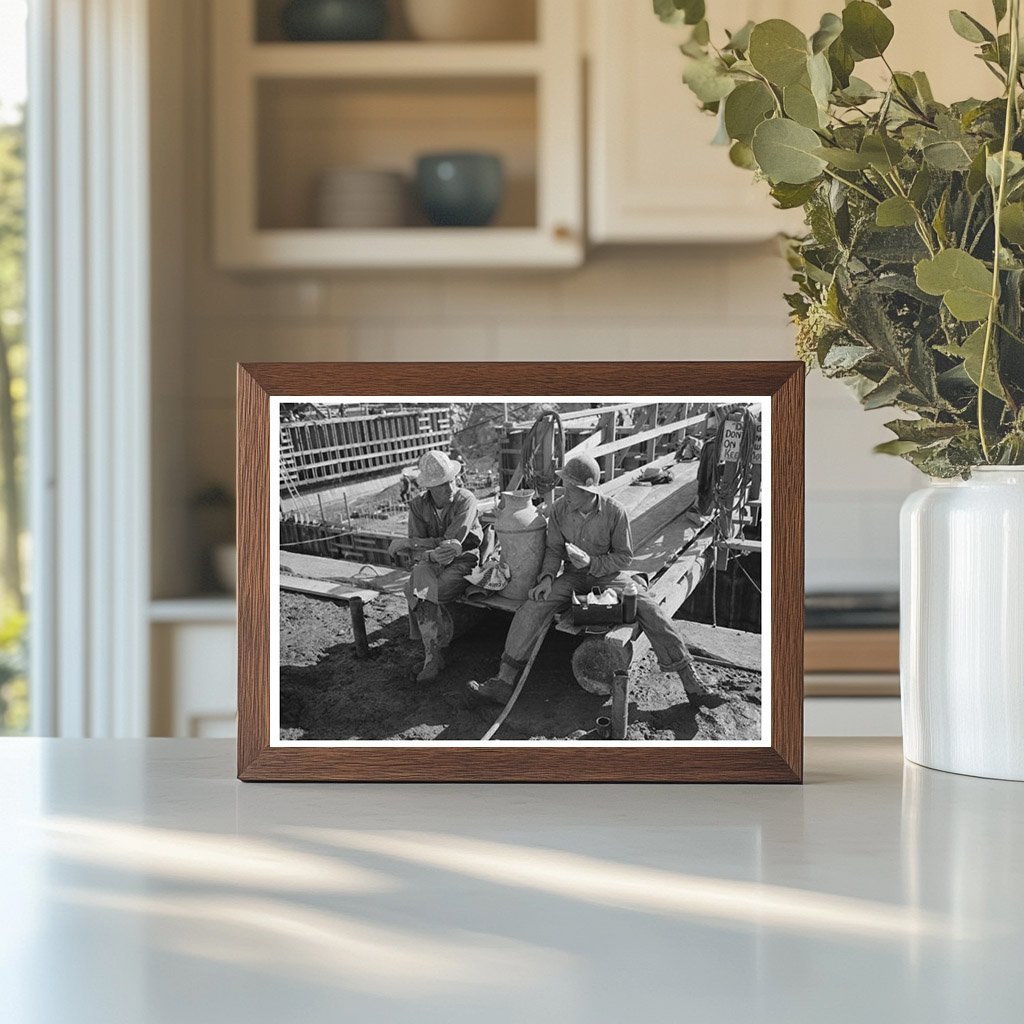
(393, 60)
(285, 112)
(310, 248)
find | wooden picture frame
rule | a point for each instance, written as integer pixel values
(780, 759)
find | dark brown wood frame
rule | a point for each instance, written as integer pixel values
(782, 761)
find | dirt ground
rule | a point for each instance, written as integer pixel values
(329, 694)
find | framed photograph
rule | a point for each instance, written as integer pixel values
(513, 572)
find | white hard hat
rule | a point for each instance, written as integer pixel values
(436, 469)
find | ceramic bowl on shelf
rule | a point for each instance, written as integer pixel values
(361, 198)
(331, 21)
(470, 20)
(460, 189)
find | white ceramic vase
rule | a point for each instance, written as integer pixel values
(962, 624)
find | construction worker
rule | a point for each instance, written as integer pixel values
(444, 539)
(588, 545)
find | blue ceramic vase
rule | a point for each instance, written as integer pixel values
(331, 21)
(460, 189)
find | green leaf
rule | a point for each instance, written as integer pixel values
(829, 30)
(701, 33)
(896, 212)
(939, 220)
(866, 29)
(841, 60)
(969, 28)
(885, 394)
(858, 91)
(946, 156)
(963, 281)
(999, 6)
(820, 76)
(745, 108)
(924, 87)
(785, 152)
(708, 80)
(800, 105)
(921, 185)
(971, 352)
(739, 41)
(789, 197)
(1014, 169)
(844, 159)
(676, 12)
(1012, 224)
(976, 174)
(923, 431)
(883, 153)
(742, 155)
(895, 447)
(778, 50)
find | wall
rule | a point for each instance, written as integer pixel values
(652, 303)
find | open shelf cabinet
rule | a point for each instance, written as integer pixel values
(285, 113)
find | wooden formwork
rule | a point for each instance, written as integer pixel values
(317, 451)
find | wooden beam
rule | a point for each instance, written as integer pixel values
(635, 439)
(585, 446)
(327, 590)
(608, 441)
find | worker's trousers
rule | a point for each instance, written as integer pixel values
(533, 617)
(450, 585)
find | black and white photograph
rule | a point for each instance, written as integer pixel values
(529, 570)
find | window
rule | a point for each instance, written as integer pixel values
(14, 695)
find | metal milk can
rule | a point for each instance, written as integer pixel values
(522, 532)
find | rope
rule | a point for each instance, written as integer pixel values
(728, 493)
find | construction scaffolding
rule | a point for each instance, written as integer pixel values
(325, 446)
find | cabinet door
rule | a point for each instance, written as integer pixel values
(654, 175)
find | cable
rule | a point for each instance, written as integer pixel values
(538, 470)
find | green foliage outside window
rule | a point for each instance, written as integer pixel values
(13, 411)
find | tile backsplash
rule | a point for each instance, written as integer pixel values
(717, 302)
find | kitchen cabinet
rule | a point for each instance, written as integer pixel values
(286, 113)
(653, 175)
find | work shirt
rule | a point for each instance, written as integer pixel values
(458, 520)
(603, 533)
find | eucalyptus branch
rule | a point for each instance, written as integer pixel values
(853, 185)
(1000, 198)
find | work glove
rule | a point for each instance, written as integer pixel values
(541, 591)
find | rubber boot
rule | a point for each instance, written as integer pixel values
(428, 617)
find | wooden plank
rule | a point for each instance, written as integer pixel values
(656, 518)
(665, 546)
(316, 567)
(326, 589)
(743, 545)
(585, 445)
(636, 439)
(616, 487)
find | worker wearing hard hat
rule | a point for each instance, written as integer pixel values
(588, 545)
(444, 539)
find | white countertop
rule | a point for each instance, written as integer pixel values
(143, 885)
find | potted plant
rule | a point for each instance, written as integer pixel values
(908, 289)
